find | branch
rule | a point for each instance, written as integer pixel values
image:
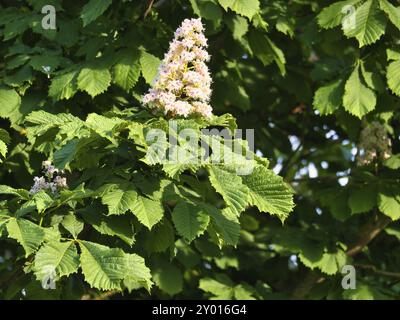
(377, 271)
(367, 234)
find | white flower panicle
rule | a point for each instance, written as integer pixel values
(183, 84)
(374, 144)
(51, 180)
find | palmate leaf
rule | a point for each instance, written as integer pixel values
(369, 23)
(190, 220)
(94, 81)
(358, 99)
(27, 233)
(230, 187)
(268, 192)
(107, 268)
(59, 257)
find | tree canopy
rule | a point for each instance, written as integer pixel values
(89, 208)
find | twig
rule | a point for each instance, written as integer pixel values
(378, 271)
(149, 6)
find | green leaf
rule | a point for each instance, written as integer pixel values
(3, 149)
(392, 12)
(190, 220)
(160, 238)
(225, 223)
(120, 198)
(126, 71)
(363, 199)
(333, 15)
(238, 26)
(93, 9)
(149, 65)
(167, 277)
(208, 10)
(137, 275)
(9, 101)
(364, 292)
(118, 226)
(221, 288)
(247, 8)
(393, 162)
(369, 24)
(328, 99)
(389, 204)
(64, 86)
(59, 257)
(269, 192)
(358, 99)
(94, 81)
(103, 268)
(72, 224)
(43, 201)
(230, 187)
(27, 233)
(21, 193)
(62, 157)
(148, 211)
(393, 77)
(265, 50)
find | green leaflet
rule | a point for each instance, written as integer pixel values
(148, 211)
(247, 8)
(59, 257)
(190, 220)
(230, 186)
(149, 65)
(367, 25)
(94, 81)
(333, 15)
(107, 269)
(93, 9)
(9, 101)
(358, 99)
(120, 198)
(392, 12)
(328, 99)
(28, 234)
(269, 192)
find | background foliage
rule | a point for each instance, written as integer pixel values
(288, 69)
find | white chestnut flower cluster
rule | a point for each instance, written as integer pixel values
(374, 144)
(51, 181)
(183, 84)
